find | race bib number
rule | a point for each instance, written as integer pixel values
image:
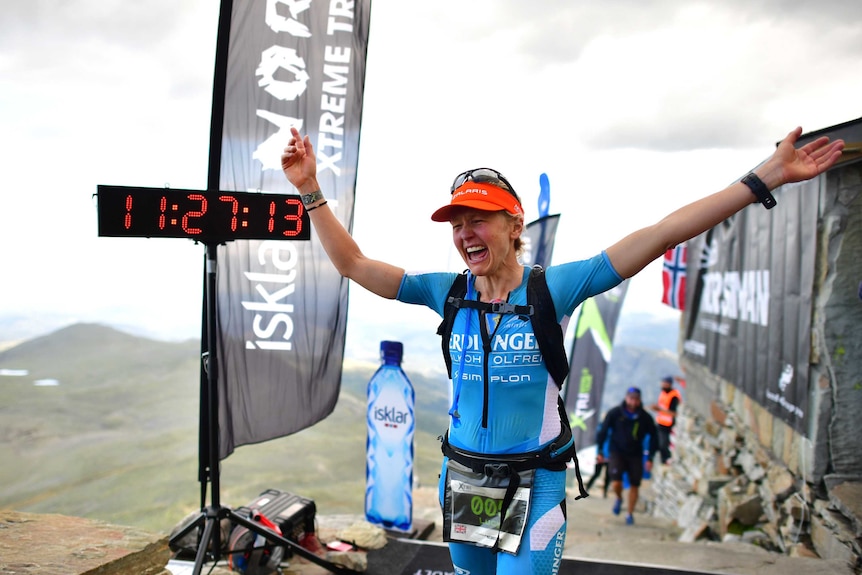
(473, 504)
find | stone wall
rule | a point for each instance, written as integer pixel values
(836, 350)
(723, 485)
(739, 473)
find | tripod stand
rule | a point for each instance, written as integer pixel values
(209, 545)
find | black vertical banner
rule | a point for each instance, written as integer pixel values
(591, 353)
(282, 306)
(749, 316)
(538, 240)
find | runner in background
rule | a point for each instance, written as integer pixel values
(626, 427)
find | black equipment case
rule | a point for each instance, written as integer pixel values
(293, 514)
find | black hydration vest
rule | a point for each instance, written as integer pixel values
(549, 336)
(539, 308)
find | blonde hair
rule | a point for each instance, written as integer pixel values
(519, 243)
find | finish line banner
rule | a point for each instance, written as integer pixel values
(282, 306)
(749, 312)
(590, 356)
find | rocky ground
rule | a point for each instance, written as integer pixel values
(33, 544)
(594, 533)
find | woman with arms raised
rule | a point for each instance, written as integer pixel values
(507, 436)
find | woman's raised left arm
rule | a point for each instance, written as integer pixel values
(788, 164)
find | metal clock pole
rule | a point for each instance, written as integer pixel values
(209, 545)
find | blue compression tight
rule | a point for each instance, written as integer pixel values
(541, 548)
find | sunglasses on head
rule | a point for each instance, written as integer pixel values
(483, 175)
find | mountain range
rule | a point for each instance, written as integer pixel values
(96, 422)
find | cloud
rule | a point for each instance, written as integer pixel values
(47, 22)
(555, 31)
(109, 92)
(677, 75)
(66, 45)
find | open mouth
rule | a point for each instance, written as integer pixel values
(475, 253)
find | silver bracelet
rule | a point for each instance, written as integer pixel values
(308, 199)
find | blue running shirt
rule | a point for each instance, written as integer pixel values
(515, 409)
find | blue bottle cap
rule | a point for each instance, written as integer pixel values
(392, 350)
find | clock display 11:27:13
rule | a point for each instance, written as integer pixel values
(206, 216)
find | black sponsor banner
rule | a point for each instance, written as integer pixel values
(591, 353)
(538, 238)
(282, 306)
(749, 318)
(415, 557)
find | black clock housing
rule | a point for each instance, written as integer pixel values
(211, 216)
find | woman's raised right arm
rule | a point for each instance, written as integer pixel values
(300, 167)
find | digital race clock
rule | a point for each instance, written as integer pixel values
(204, 216)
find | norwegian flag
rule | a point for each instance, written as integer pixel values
(673, 277)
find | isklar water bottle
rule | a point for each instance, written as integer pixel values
(389, 446)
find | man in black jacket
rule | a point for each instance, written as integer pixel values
(625, 427)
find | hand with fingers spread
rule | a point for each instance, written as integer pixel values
(790, 164)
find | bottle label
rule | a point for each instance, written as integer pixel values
(390, 416)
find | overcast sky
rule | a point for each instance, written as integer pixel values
(632, 108)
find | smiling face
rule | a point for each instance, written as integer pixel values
(486, 240)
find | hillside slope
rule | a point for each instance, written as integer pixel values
(105, 425)
(114, 435)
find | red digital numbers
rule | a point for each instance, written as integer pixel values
(163, 205)
(203, 216)
(194, 214)
(295, 219)
(127, 221)
(234, 209)
(270, 224)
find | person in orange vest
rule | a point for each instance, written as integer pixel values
(668, 402)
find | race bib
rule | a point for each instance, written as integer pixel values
(473, 503)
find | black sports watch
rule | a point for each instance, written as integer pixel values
(759, 189)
